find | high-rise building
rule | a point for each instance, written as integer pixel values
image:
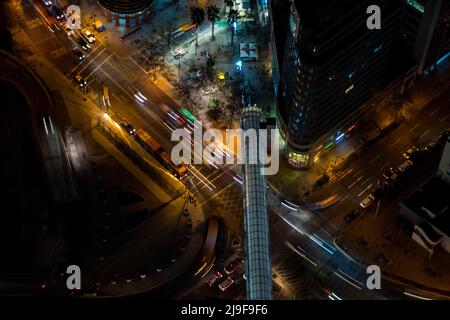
(258, 266)
(425, 32)
(128, 13)
(330, 63)
(444, 163)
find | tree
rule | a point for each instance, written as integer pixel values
(213, 15)
(232, 17)
(197, 18)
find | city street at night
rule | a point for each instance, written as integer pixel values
(225, 151)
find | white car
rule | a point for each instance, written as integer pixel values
(407, 154)
(367, 201)
(88, 36)
(405, 166)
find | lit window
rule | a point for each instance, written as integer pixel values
(416, 5)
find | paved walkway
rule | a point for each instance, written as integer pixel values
(145, 248)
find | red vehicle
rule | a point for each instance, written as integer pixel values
(212, 278)
(233, 265)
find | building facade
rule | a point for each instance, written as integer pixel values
(329, 64)
(127, 13)
(425, 32)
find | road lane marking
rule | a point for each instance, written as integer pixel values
(368, 187)
(414, 128)
(375, 158)
(99, 65)
(348, 171)
(365, 181)
(425, 133)
(385, 165)
(395, 142)
(357, 180)
(131, 58)
(348, 281)
(445, 118)
(436, 110)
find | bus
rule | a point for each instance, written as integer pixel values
(155, 149)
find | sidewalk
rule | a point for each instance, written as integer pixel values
(406, 262)
(163, 230)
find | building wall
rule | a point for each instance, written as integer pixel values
(126, 13)
(444, 164)
(332, 64)
(425, 31)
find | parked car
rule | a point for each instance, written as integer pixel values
(58, 13)
(378, 192)
(88, 35)
(226, 284)
(70, 32)
(367, 201)
(405, 166)
(213, 278)
(431, 146)
(233, 265)
(352, 215)
(390, 174)
(79, 80)
(78, 54)
(47, 3)
(407, 154)
(83, 44)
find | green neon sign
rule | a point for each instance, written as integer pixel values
(188, 114)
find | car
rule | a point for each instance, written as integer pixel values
(213, 278)
(431, 146)
(390, 174)
(47, 3)
(88, 35)
(80, 81)
(58, 13)
(405, 166)
(352, 215)
(128, 127)
(78, 54)
(407, 154)
(367, 201)
(226, 284)
(233, 265)
(378, 192)
(387, 185)
(83, 44)
(70, 32)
